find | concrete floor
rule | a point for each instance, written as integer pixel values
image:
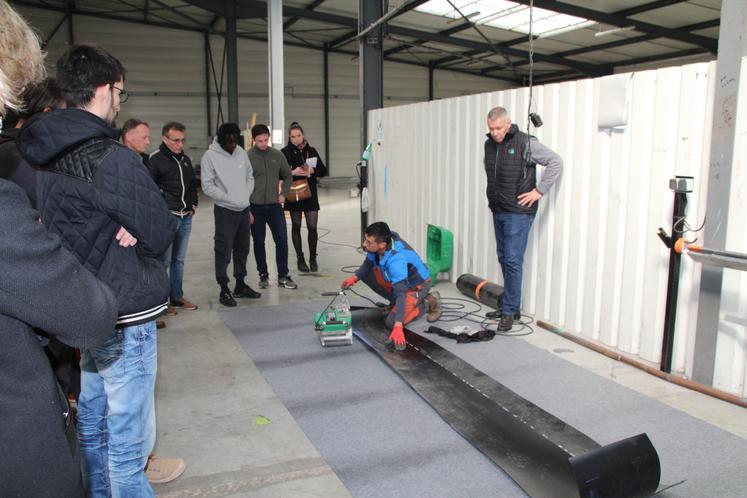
(213, 404)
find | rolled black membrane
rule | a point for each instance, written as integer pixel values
(545, 456)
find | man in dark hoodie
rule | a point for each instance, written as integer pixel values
(511, 159)
(95, 194)
(172, 171)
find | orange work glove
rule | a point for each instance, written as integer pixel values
(348, 282)
(398, 337)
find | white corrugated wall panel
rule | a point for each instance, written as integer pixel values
(593, 264)
(731, 349)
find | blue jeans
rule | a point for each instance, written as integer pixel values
(273, 215)
(511, 235)
(175, 255)
(116, 413)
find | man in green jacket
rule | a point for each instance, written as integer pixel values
(270, 166)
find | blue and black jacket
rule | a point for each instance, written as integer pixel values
(400, 266)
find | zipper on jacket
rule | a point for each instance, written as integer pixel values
(181, 178)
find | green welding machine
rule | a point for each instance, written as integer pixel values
(335, 323)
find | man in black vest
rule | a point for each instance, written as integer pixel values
(511, 159)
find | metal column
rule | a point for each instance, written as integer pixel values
(70, 26)
(208, 96)
(371, 74)
(232, 62)
(327, 159)
(277, 86)
(732, 49)
(673, 282)
(431, 70)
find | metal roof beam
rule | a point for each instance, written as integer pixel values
(592, 69)
(38, 5)
(647, 7)
(659, 57)
(710, 44)
(293, 20)
(450, 31)
(637, 39)
(625, 12)
(347, 37)
(620, 43)
(196, 22)
(567, 75)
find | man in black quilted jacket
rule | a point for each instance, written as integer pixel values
(97, 196)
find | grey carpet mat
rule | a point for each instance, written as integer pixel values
(382, 439)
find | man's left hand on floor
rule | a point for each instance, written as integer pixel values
(398, 337)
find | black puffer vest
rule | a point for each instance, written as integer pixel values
(508, 172)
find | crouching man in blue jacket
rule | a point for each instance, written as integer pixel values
(394, 271)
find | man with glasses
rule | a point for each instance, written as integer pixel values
(172, 171)
(393, 270)
(95, 194)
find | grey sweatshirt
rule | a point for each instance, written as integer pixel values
(270, 166)
(548, 158)
(226, 178)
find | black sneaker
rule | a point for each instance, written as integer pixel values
(495, 315)
(506, 323)
(226, 299)
(246, 291)
(287, 282)
(313, 266)
(264, 282)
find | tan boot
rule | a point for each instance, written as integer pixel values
(434, 306)
(162, 470)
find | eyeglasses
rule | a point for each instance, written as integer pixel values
(176, 140)
(123, 95)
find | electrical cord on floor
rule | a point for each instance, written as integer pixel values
(327, 231)
(378, 305)
(455, 308)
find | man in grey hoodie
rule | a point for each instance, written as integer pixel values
(227, 177)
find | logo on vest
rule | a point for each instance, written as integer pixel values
(512, 151)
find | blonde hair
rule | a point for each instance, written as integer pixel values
(21, 58)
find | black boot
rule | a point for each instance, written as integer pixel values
(312, 263)
(225, 298)
(302, 267)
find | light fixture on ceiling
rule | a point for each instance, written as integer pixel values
(614, 30)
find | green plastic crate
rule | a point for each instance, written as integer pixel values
(439, 251)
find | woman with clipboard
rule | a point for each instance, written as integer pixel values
(303, 200)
